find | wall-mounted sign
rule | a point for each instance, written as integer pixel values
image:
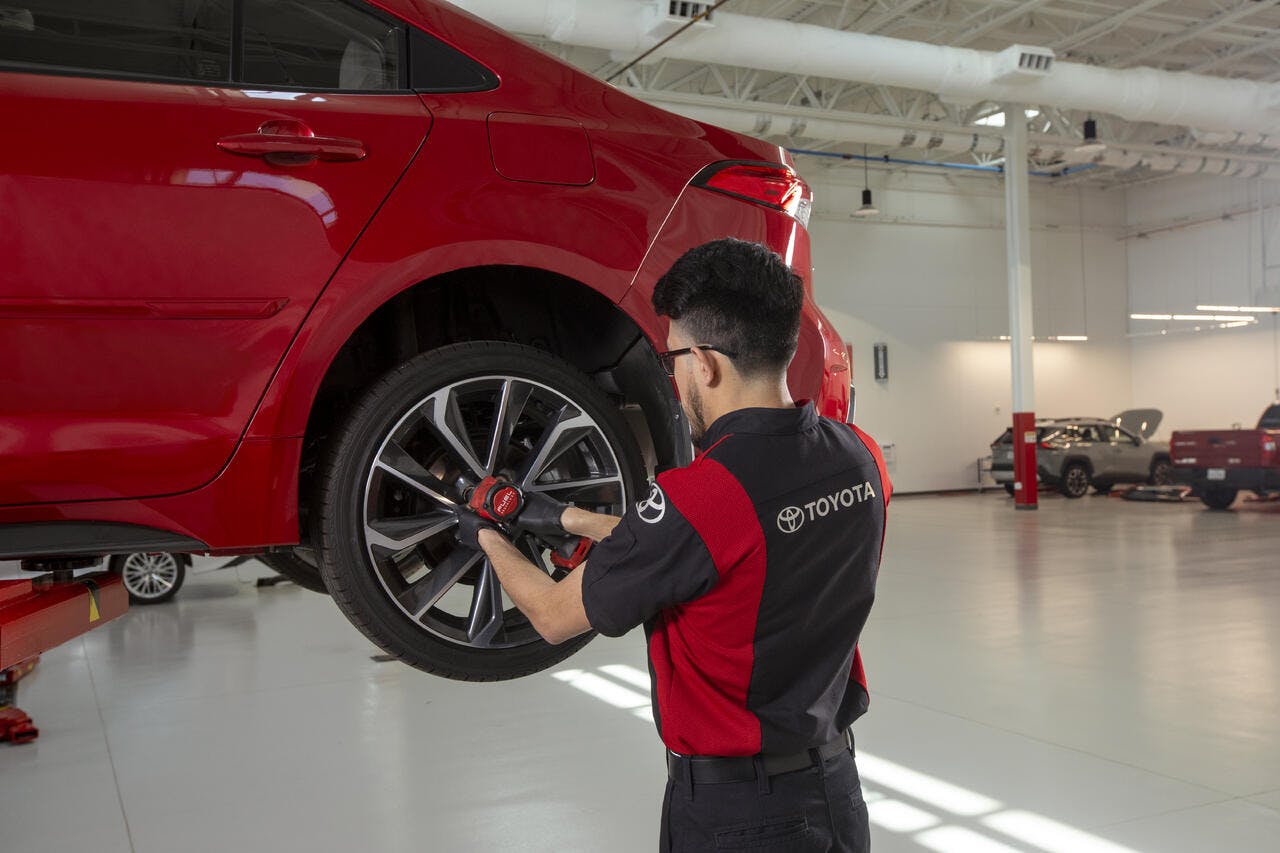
(882, 362)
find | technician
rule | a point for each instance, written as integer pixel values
(753, 571)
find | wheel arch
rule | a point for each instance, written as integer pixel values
(520, 304)
(1077, 459)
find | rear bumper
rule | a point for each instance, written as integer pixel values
(1004, 475)
(1246, 479)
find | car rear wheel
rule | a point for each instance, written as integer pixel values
(1161, 473)
(150, 578)
(1219, 497)
(1008, 487)
(1075, 480)
(399, 469)
(289, 565)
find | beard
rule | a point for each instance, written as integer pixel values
(693, 411)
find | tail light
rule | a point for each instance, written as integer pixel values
(1268, 448)
(769, 184)
(1044, 445)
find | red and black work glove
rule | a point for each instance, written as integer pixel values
(469, 526)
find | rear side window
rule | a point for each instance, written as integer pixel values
(1270, 418)
(320, 44)
(436, 67)
(183, 39)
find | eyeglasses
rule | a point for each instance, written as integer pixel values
(669, 357)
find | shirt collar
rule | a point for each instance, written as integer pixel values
(762, 422)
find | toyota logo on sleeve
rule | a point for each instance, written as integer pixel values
(791, 519)
(653, 508)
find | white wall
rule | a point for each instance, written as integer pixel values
(1191, 255)
(928, 278)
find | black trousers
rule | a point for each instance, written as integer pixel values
(816, 809)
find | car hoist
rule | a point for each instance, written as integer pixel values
(43, 612)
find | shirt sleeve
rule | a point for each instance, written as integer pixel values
(653, 560)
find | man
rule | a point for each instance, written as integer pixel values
(753, 571)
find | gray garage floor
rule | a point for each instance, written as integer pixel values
(1099, 676)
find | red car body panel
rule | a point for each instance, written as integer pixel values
(175, 307)
(155, 280)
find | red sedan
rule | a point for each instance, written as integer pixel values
(287, 277)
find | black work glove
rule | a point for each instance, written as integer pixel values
(541, 516)
(469, 527)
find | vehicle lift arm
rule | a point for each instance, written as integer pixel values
(42, 613)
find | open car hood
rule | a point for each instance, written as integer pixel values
(1143, 422)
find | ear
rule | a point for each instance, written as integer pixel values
(708, 369)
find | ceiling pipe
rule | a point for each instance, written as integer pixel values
(758, 120)
(628, 27)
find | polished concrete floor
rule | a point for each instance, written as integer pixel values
(1100, 676)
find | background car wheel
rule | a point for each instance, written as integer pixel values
(399, 467)
(1161, 473)
(1103, 488)
(1008, 487)
(150, 578)
(1075, 480)
(289, 565)
(1219, 497)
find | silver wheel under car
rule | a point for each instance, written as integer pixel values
(150, 578)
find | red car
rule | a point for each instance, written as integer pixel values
(291, 273)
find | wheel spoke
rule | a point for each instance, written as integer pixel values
(485, 619)
(397, 462)
(440, 411)
(568, 428)
(398, 535)
(423, 595)
(506, 415)
(605, 489)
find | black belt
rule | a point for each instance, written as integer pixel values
(713, 770)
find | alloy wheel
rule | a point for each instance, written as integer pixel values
(490, 425)
(150, 576)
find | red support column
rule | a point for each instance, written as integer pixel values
(1026, 495)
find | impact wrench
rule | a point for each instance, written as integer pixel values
(501, 501)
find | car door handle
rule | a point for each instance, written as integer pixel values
(290, 143)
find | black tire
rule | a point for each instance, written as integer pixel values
(1103, 488)
(1161, 473)
(1075, 480)
(150, 578)
(1219, 497)
(1008, 487)
(289, 565)
(424, 418)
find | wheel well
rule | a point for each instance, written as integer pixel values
(503, 303)
(1077, 460)
(1161, 457)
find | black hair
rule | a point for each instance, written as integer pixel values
(739, 296)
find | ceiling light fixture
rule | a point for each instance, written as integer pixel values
(868, 206)
(1189, 318)
(1091, 145)
(1248, 309)
(1073, 338)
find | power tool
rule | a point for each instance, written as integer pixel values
(501, 501)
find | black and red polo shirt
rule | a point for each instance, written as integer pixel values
(753, 571)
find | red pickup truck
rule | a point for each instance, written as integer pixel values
(1219, 464)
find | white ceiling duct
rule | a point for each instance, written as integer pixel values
(1018, 75)
(759, 120)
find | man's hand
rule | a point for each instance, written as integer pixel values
(542, 516)
(469, 527)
